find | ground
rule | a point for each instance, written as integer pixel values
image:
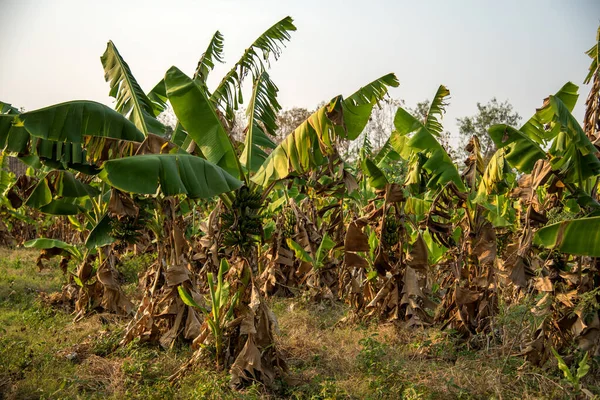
(43, 354)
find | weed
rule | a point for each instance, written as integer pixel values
(371, 354)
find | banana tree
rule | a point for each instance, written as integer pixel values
(558, 170)
(206, 119)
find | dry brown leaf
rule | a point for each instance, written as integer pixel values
(417, 258)
(356, 240)
(544, 284)
(464, 296)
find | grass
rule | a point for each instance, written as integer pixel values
(44, 355)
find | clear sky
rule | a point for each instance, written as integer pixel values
(516, 50)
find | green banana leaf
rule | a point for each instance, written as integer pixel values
(61, 207)
(522, 152)
(45, 243)
(358, 106)
(308, 145)
(228, 94)
(73, 120)
(60, 135)
(66, 185)
(423, 143)
(200, 120)
(214, 52)
(375, 176)
(131, 99)
(174, 173)
(534, 128)
(158, 97)
(436, 110)
(438, 163)
(56, 193)
(40, 196)
(5, 176)
(304, 148)
(7, 108)
(573, 153)
(13, 138)
(99, 236)
(262, 112)
(578, 237)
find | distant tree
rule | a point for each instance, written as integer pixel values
(168, 119)
(288, 120)
(238, 128)
(420, 110)
(487, 115)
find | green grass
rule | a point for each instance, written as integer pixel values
(43, 354)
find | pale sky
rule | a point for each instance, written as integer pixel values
(516, 50)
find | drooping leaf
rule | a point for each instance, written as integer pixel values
(45, 243)
(358, 106)
(40, 196)
(299, 251)
(158, 97)
(375, 176)
(174, 173)
(579, 236)
(326, 244)
(522, 152)
(74, 120)
(305, 148)
(5, 177)
(573, 153)
(7, 108)
(66, 185)
(99, 236)
(131, 99)
(61, 207)
(417, 207)
(187, 298)
(496, 176)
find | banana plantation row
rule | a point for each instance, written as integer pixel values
(232, 223)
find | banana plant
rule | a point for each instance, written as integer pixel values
(570, 152)
(416, 141)
(222, 306)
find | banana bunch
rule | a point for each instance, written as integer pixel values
(390, 234)
(243, 220)
(247, 199)
(126, 229)
(502, 241)
(289, 222)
